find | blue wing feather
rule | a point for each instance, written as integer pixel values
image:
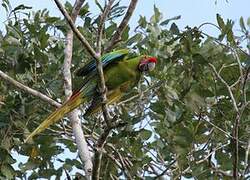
(106, 59)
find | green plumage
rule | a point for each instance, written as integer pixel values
(121, 74)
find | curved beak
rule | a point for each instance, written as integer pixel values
(151, 66)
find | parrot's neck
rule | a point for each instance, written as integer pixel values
(134, 63)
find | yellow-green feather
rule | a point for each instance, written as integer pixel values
(119, 80)
(120, 77)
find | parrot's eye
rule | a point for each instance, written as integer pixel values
(146, 66)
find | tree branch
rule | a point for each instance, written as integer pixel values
(236, 124)
(28, 89)
(246, 164)
(80, 140)
(99, 149)
(98, 153)
(96, 56)
(82, 39)
(102, 87)
(101, 26)
(244, 84)
(227, 86)
(117, 36)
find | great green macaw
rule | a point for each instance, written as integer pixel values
(121, 72)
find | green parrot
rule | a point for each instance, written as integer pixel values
(122, 71)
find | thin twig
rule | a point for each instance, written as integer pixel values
(236, 124)
(99, 149)
(236, 147)
(101, 26)
(117, 36)
(167, 168)
(29, 90)
(224, 45)
(244, 84)
(76, 31)
(227, 86)
(246, 165)
(211, 153)
(220, 129)
(219, 171)
(124, 165)
(98, 153)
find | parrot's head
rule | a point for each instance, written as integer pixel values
(147, 63)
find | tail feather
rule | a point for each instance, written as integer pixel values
(71, 104)
(112, 96)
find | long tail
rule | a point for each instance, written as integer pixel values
(67, 107)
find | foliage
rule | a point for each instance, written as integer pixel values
(180, 121)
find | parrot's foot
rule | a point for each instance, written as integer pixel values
(102, 91)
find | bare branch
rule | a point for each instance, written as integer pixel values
(227, 86)
(80, 140)
(220, 129)
(246, 165)
(236, 124)
(167, 168)
(75, 30)
(122, 160)
(117, 36)
(101, 25)
(219, 171)
(244, 84)
(76, 9)
(98, 153)
(28, 89)
(99, 148)
(68, 51)
(236, 146)
(96, 56)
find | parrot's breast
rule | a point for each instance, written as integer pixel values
(123, 76)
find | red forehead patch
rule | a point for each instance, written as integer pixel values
(152, 59)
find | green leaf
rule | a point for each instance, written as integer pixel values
(156, 17)
(164, 23)
(230, 37)
(198, 58)
(125, 34)
(6, 5)
(99, 5)
(84, 10)
(142, 21)
(43, 38)
(13, 41)
(248, 21)
(110, 30)
(51, 20)
(21, 7)
(87, 22)
(145, 134)
(174, 29)
(116, 12)
(134, 39)
(220, 22)
(68, 6)
(242, 24)
(8, 171)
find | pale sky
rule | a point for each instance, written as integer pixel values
(193, 12)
